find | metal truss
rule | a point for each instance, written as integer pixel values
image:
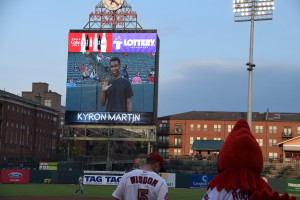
(121, 19)
(109, 133)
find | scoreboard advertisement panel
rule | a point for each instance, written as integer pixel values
(112, 77)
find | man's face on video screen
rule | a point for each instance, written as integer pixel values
(115, 68)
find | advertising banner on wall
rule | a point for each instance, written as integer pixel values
(101, 179)
(48, 166)
(292, 186)
(15, 176)
(170, 178)
(112, 78)
(200, 181)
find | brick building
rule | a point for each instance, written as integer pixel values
(42, 95)
(176, 133)
(28, 130)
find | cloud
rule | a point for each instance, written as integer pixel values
(223, 86)
(207, 64)
(171, 79)
(168, 30)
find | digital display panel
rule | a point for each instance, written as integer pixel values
(112, 78)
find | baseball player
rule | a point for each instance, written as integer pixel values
(143, 183)
(80, 185)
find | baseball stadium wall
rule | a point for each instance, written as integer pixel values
(70, 176)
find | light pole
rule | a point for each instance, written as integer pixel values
(252, 10)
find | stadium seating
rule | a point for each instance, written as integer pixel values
(136, 62)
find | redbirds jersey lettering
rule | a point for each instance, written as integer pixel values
(143, 180)
(240, 195)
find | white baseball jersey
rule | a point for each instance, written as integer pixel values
(141, 185)
(80, 180)
(214, 194)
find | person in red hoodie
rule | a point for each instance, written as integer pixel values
(240, 164)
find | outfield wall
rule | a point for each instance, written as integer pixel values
(70, 176)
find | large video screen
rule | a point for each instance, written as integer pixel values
(111, 78)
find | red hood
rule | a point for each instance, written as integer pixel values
(240, 162)
(241, 150)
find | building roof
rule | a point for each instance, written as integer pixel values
(295, 138)
(233, 116)
(207, 145)
(6, 94)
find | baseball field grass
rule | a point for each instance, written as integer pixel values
(7, 190)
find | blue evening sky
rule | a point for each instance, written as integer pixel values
(202, 55)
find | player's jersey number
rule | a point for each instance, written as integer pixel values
(142, 194)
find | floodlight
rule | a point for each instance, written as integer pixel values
(252, 10)
(265, 7)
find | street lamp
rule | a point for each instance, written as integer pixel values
(252, 10)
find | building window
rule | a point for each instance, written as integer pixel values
(298, 130)
(8, 107)
(16, 138)
(260, 142)
(287, 131)
(217, 138)
(48, 102)
(230, 127)
(272, 129)
(205, 127)
(198, 138)
(162, 127)
(27, 135)
(191, 127)
(272, 142)
(6, 137)
(273, 155)
(177, 128)
(191, 151)
(259, 129)
(11, 137)
(205, 138)
(198, 127)
(164, 139)
(177, 141)
(177, 152)
(217, 128)
(163, 152)
(191, 140)
(21, 135)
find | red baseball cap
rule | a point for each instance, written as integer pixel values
(156, 157)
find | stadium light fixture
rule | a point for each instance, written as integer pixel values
(252, 10)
